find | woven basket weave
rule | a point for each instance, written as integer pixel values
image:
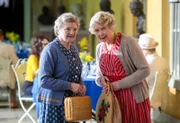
(77, 108)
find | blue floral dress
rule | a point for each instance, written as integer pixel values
(55, 114)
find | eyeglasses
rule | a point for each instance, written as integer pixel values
(44, 43)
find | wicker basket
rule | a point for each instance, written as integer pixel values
(77, 108)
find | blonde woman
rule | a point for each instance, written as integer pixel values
(121, 62)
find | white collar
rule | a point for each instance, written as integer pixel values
(151, 56)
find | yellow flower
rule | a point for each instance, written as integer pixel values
(89, 58)
(12, 36)
(83, 43)
(85, 57)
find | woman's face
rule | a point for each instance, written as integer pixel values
(68, 32)
(44, 42)
(103, 33)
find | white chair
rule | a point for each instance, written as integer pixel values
(159, 95)
(20, 71)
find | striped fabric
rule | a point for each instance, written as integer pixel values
(111, 67)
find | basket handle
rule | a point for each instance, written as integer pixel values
(110, 88)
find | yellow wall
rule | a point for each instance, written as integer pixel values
(158, 24)
(166, 30)
(118, 6)
(92, 8)
(129, 20)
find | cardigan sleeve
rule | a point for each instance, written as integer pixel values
(98, 71)
(136, 66)
(48, 63)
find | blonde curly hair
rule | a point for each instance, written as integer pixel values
(102, 18)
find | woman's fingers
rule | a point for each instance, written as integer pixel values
(105, 89)
(82, 91)
(106, 79)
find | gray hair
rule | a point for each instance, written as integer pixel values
(63, 19)
(102, 18)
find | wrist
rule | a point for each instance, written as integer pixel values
(69, 86)
(100, 80)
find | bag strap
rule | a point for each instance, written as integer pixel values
(110, 89)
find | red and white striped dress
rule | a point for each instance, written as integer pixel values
(112, 68)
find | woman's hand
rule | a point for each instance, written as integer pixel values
(115, 86)
(83, 90)
(76, 88)
(103, 81)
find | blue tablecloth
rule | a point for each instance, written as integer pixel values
(93, 91)
(34, 94)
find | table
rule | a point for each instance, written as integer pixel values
(93, 90)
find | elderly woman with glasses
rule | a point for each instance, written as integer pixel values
(60, 70)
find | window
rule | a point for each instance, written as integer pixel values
(175, 43)
(175, 38)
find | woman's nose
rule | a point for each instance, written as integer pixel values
(72, 31)
(101, 33)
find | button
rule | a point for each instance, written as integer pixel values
(76, 76)
(76, 67)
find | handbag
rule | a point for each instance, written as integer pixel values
(77, 108)
(107, 108)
